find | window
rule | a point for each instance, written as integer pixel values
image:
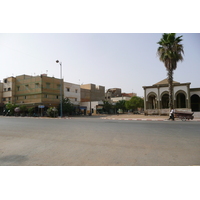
(76, 91)
(75, 99)
(5, 80)
(9, 89)
(68, 89)
(4, 89)
(45, 96)
(57, 97)
(58, 87)
(36, 85)
(18, 87)
(47, 85)
(4, 99)
(26, 87)
(24, 97)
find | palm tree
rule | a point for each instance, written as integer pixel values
(170, 52)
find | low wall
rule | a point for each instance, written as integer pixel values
(151, 112)
(196, 115)
(165, 111)
(183, 110)
(156, 112)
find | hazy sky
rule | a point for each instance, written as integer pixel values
(123, 60)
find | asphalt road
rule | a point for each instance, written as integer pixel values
(93, 141)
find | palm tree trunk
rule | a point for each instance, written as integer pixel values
(170, 82)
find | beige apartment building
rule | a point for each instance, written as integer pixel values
(92, 92)
(8, 90)
(1, 97)
(37, 90)
(31, 91)
(92, 97)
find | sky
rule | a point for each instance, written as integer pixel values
(114, 60)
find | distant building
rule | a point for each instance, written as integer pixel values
(114, 95)
(92, 92)
(72, 92)
(95, 107)
(112, 92)
(92, 96)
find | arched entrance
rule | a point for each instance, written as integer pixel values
(165, 101)
(180, 100)
(195, 102)
(152, 101)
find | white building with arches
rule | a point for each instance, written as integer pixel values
(156, 98)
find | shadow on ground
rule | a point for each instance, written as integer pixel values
(12, 159)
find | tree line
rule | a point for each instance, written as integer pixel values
(133, 104)
(68, 108)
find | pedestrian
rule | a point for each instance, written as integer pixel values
(171, 114)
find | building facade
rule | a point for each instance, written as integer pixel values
(72, 92)
(40, 90)
(92, 96)
(8, 90)
(92, 92)
(1, 98)
(156, 98)
(195, 99)
(31, 91)
(112, 93)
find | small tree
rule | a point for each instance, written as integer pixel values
(121, 105)
(52, 112)
(107, 106)
(134, 103)
(23, 110)
(10, 108)
(31, 111)
(67, 107)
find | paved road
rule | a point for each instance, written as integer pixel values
(99, 142)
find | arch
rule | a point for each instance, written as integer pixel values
(180, 99)
(165, 100)
(151, 94)
(152, 101)
(195, 102)
(181, 91)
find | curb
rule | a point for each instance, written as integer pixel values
(137, 119)
(19, 117)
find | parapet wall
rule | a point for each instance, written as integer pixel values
(164, 111)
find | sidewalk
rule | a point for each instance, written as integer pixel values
(141, 117)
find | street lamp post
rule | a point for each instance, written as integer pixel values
(90, 103)
(57, 61)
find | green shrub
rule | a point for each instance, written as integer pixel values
(52, 112)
